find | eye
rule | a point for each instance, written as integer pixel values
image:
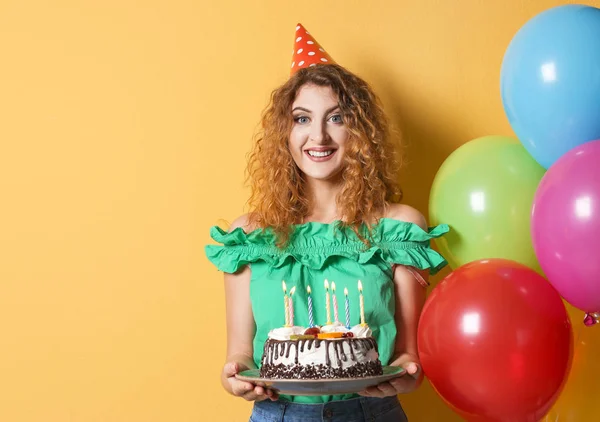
(336, 118)
(301, 119)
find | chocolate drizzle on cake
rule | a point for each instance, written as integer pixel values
(275, 349)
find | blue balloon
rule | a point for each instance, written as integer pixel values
(550, 81)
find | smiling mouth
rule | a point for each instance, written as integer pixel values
(320, 153)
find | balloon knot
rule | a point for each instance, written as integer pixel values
(591, 318)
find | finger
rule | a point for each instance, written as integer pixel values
(261, 392)
(260, 398)
(402, 385)
(274, 395)
(239, 388)
(249, 396)
(387, 389)
(252, 396)
(230, 369)
(413, 369)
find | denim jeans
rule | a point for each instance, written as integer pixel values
(361, 409)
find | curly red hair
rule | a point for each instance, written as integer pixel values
(370, 172)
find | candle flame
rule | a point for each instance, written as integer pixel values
(326, 285)
(359, 286)
(284, 287)
(292, 290)
(346, 291)
(333, 286)
(308, 289)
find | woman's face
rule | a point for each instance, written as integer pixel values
(318, 137)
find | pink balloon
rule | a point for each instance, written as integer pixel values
(565, 226)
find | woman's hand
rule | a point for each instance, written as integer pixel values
(244, 389)
(401, 385)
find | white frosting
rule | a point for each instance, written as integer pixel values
(361, 331)
(284, 333)
(336, 327)
(316, 355)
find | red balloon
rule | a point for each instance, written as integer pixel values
(495, 341)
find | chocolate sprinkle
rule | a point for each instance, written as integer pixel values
(281, 371)
(274, 348)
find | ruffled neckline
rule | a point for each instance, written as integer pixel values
(313, 243)
(384, 225)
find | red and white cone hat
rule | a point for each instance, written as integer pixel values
(307, 51)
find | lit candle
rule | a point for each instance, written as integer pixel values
(291, 302)
(286, 304)
(335, 308)
(327, 306)
(347, 308)
(362, 304)
(310, 309)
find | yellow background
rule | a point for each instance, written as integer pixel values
(124, 128)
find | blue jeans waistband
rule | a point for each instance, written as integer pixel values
(357, 409)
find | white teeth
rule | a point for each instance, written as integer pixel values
(320, 153)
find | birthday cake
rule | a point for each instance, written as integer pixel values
(333, 350)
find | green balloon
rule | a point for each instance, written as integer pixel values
(484, 191)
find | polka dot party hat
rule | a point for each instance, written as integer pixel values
(307, 51)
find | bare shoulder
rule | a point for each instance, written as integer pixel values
(403, 212)
(242, 221)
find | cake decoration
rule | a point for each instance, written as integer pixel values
(291, 305)
(347, 306)
(335, 308)
(310, 309)
(327, 307)
(362, 304)
(333, 350)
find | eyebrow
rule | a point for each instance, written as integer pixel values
(308, 111)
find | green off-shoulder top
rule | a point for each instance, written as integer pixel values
(318, 252)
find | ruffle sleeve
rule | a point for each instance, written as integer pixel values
(313, 244)
(237, 249)
(402, 243)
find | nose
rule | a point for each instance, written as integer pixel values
(318, 132)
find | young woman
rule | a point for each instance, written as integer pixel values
(325, 205)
